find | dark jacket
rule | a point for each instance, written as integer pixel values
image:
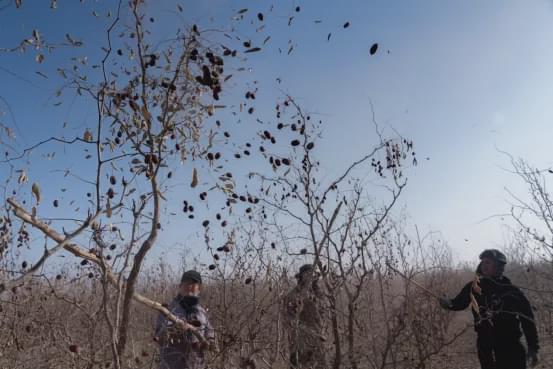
(502, 311)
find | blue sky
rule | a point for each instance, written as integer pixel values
(463, 79)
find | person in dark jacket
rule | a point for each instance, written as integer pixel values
(179, 348)
(500, 310)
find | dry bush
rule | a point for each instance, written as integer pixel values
(397, 325)
(155, 111)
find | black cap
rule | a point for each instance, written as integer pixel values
(494, 254)
(304, 269)
(191, 275)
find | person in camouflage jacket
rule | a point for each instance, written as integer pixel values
(305, 323)
(179, 348)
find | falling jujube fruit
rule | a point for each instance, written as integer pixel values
(373, 49)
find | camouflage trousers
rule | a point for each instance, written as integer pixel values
(305, 356)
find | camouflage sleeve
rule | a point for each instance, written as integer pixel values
(161, 326)
(324, 304)
(166, 330)
(209, 332)
(290, 307)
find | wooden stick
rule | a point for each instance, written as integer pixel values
(414, 282)
(78, 251)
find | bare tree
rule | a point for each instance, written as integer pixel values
(153, 106)
(158, 107)
(531, 243)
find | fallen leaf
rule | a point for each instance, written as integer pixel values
(194, 178)
(22, 177)
(36, 192)
(87, 136)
